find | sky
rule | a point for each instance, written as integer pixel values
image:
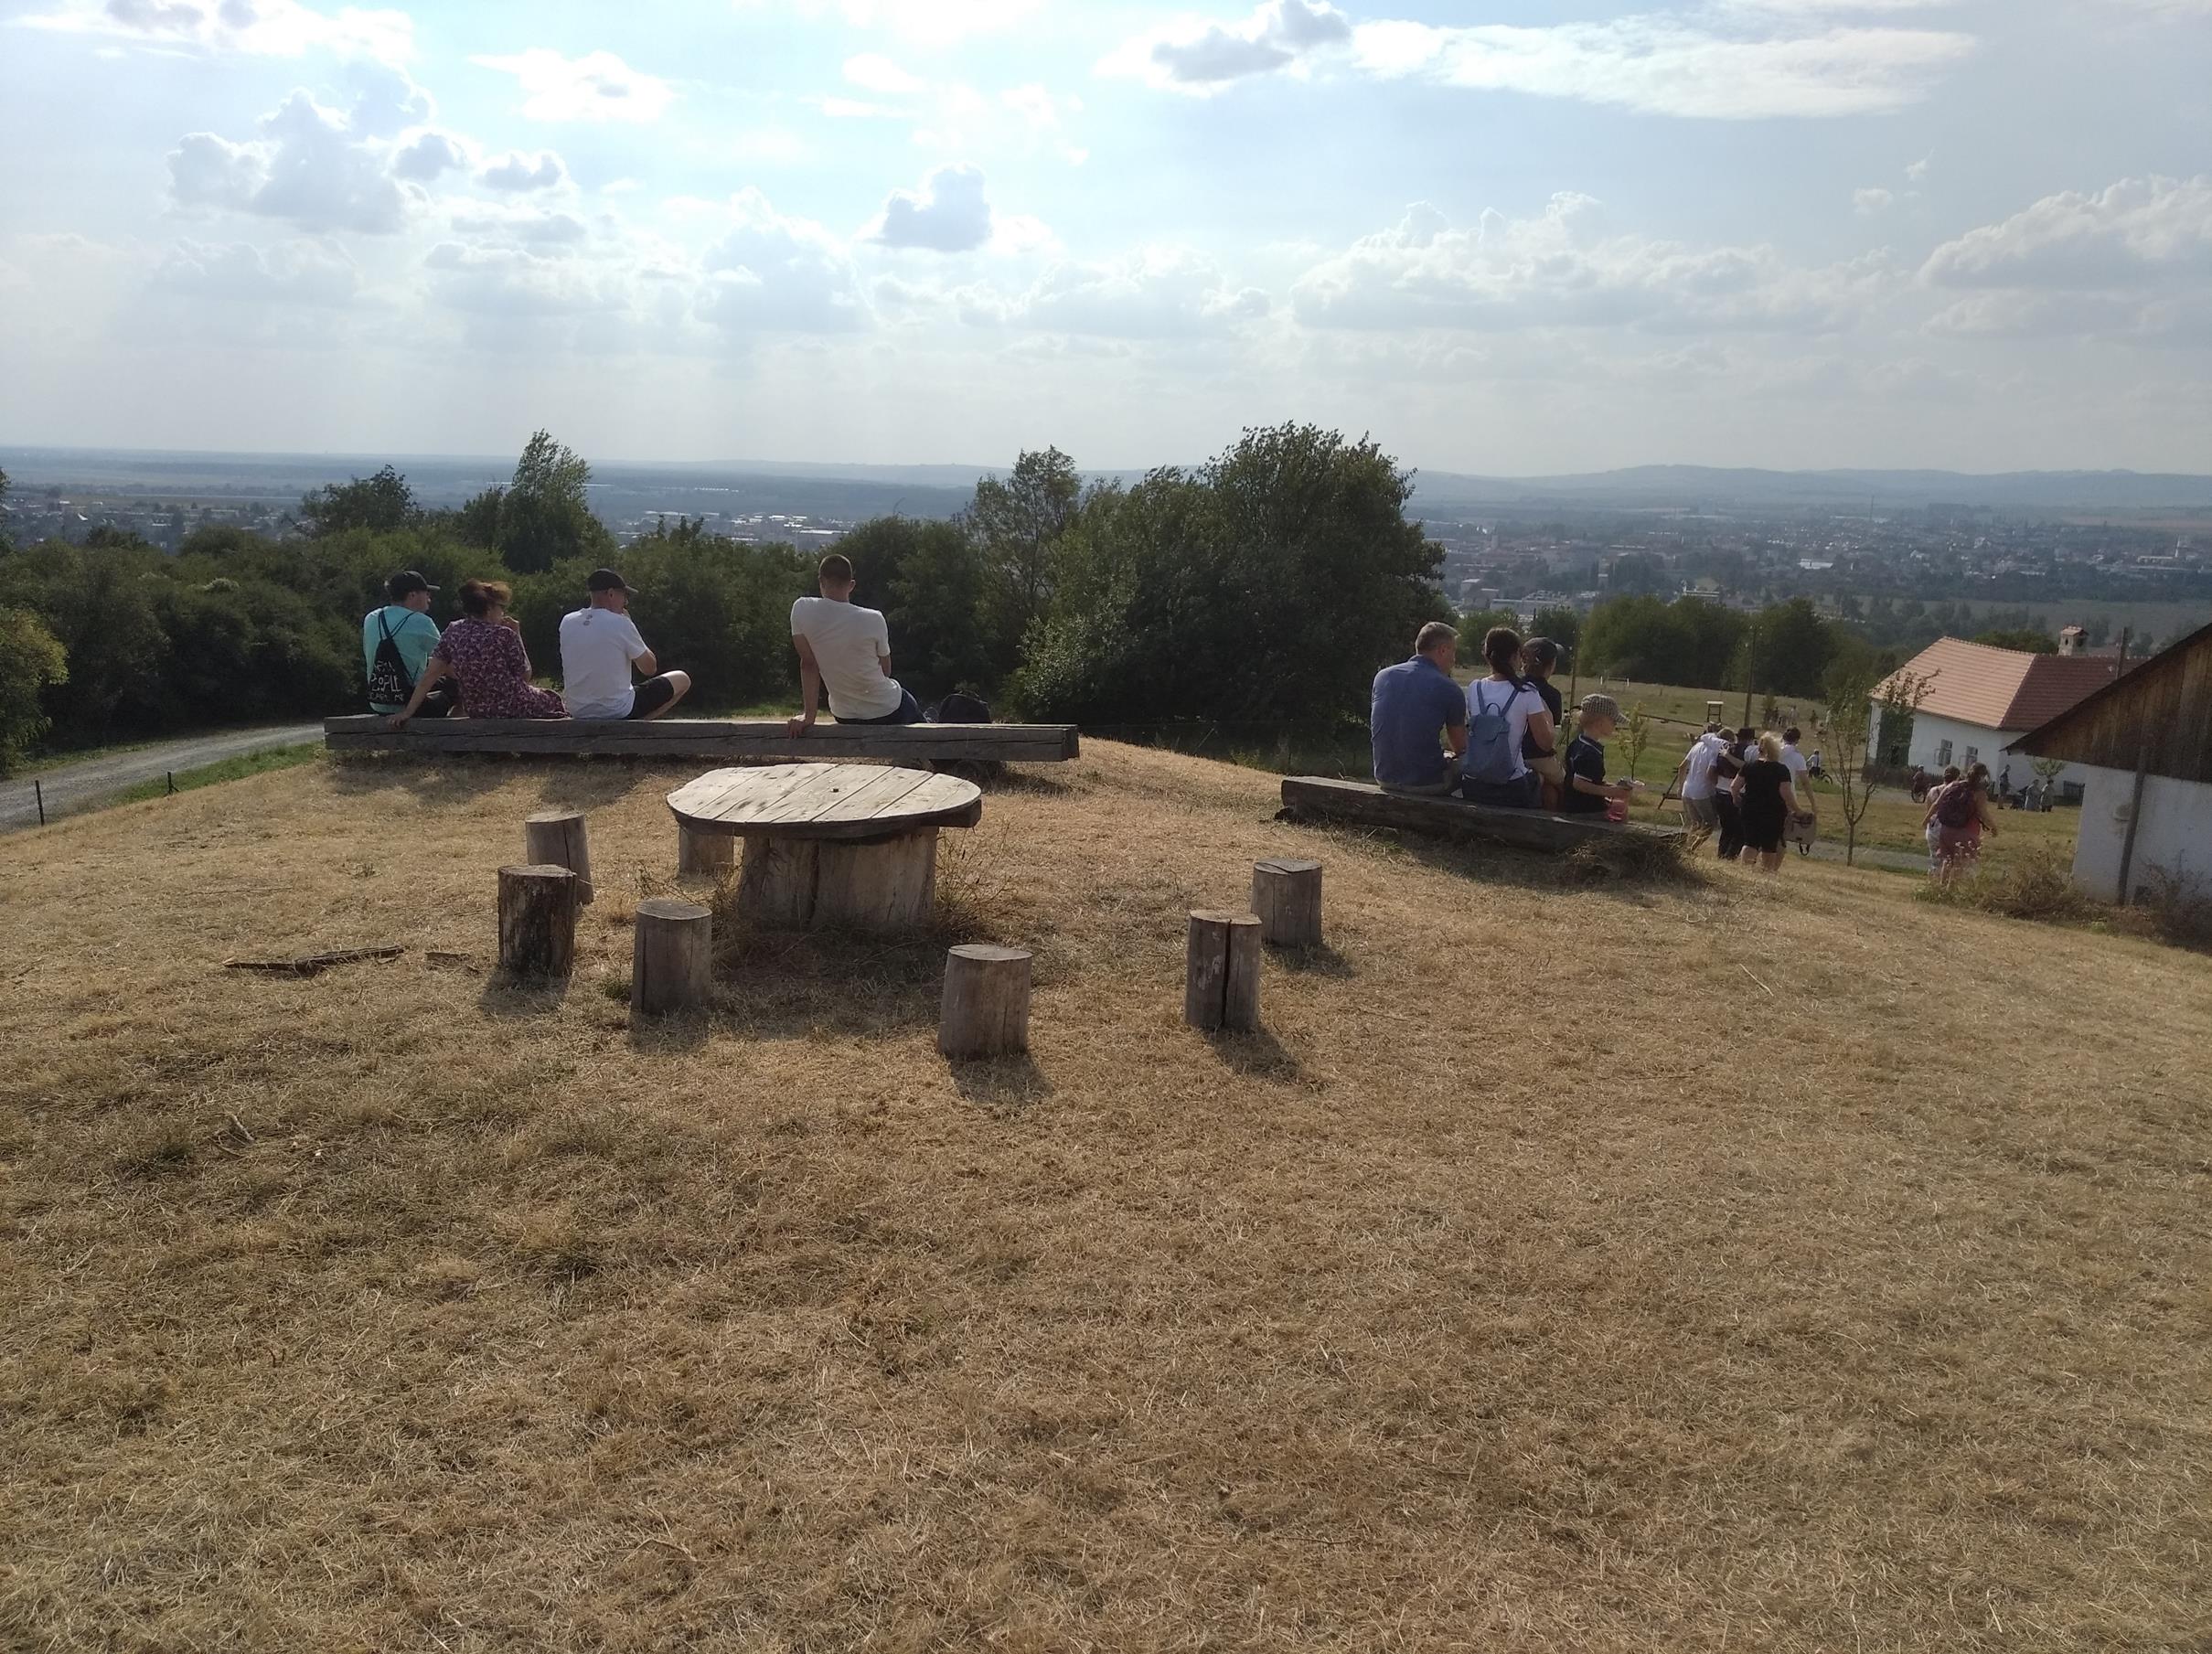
(1508, 237)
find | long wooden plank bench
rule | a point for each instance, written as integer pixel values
(721, 740)
(1320, 798)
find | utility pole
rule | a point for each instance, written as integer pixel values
(1751, 672)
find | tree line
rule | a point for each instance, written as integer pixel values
(1261, 588)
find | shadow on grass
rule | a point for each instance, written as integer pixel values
(1634, 871)
(1318, 960)
(571, 783)
(672, 1036)
(1258, 1053)
(1014, 1081)
(799, 984)
(516, 999)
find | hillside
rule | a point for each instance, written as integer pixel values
(1774, 1264)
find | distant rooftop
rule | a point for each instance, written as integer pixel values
(2003, 689)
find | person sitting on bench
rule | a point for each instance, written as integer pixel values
(1587, 792)
(1411, 702)
(482, 650)
(599, 646)
(846, 649)
(396, 641)
(1501, 711)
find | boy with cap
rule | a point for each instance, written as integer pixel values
(396, 641)
(1586, 790)
(599, 646)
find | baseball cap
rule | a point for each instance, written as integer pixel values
(406, 582)
(606, 580)
(1601, 706)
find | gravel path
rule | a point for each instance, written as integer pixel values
(78, 786)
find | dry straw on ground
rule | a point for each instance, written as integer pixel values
(1755, 1263)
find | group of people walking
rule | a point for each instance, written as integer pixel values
(477, 667)
(1959, 813)
(1752, 790)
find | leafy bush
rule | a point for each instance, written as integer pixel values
(2039, 884)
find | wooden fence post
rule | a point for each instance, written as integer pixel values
(985, 1009)
(1221, 972)
(671, 957)
(1286, 895)
(537, 921)
(557, 838)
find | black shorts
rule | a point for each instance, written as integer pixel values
(1763, 833)
(652, 695)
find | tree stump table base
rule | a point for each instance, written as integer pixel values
(884, 884)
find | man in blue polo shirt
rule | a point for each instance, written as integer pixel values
(1413, 701)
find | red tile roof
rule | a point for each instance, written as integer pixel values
(2004, 689)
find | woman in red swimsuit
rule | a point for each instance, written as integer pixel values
(484, 651)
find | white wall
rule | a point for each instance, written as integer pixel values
(1930, 732)
(2174, 832)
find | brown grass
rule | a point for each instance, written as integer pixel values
(1773, 1263)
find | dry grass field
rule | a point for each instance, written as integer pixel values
(1755, 1263)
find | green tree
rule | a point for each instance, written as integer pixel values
(31, 660)
(1853, 692)
(1477, 625)
(379, 504)
(2029, 640)
(1562, 625)
(1018, 524)
(543, 517)
(1787, 649)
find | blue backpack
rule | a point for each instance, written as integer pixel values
(1492, 754)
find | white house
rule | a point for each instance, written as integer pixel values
(2143, 746)
(1978, 701)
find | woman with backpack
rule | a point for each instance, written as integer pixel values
(1501, 710)
(1929, 826)
(1963, 815)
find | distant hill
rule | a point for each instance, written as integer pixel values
(1716, 487)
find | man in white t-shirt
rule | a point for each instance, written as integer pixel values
(1805, 826)
(846, 650)
(1695, 774)
(600, 646)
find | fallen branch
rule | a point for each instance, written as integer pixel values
(1746, 970)
(313, 965)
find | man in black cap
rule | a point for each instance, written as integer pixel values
(396, 641)
(600, 646)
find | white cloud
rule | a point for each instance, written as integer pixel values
(872, 71)
(1191, 54)
(516, 171)
(1729, 62)
(1160, 292)
(428, 154)
(1046, 117)
(1868, 202)
(1565, 268)
(949, 213)
(505, 224)
(298, 273)
(2138, 232)
(272, 28)
(858, 109)
(312, 166)
(769, 273)
(932, 23)
(598, 86)
(1916, 172)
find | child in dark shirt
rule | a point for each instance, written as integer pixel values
(1586, 790)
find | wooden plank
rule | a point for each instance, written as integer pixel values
(825, 802)
(1363, 801)
(880, 795)
(721, 801)
(832, 785)
(711, 737)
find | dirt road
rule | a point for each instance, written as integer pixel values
(77, 786)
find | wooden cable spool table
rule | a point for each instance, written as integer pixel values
(830, 843)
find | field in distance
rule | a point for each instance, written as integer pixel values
(1733, 1265)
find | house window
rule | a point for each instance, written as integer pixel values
(1972, 753)
(1942, 754)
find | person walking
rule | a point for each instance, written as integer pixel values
(1928, 828)
(1693, 774)
(482, 651)
(1804, 826)
(1764, 800)
(1725, 769)
(1962, 815)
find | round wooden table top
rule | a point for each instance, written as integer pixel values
(825, 801)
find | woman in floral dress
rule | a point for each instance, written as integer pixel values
(482, 650)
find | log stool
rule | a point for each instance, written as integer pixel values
(985, 1009)
(557, 838)
(537, 921)
(1221, 975)
(671, 957)
(1286, 895)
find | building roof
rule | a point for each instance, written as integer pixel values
(2158, 716)
(2002, 689)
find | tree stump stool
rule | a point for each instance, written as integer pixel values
(706, 855)
(838, 844)
(557, 838)
(1221, 975)
(671, 957)
(985, 1009)
(1286, 895)
(537, 921)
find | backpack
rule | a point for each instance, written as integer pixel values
(389, 683)
(1956, 807)
(960, 708)
(1492, 755)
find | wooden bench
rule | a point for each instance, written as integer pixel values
(728, 739)
(1361, 802)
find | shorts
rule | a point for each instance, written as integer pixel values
(1524, 791)
(1701, 812)
(652, 695)
(910, 711)
(1763, 833)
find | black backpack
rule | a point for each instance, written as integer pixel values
(1956, 807)
(389, 684)
(960, 708)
